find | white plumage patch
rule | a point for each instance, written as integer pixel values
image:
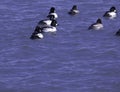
(48, 22)
(55, 15)
(112, 14)
(97, 26)
(40, 35)
(49, 29)
(76, 11)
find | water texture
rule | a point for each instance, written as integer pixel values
(74, 60)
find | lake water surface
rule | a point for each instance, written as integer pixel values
(74, 60)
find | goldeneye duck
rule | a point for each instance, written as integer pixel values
(53, 12)
(96, 26)
(51, 28)
(46, 22)
(112, 13)
(74, 10)
(37, 34)
(118, 33)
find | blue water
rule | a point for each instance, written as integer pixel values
(73, 60)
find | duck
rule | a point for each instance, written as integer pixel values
(74, 10)
(46, 22)
(118, 33)
(51, 29)
(52, 12)
(37, 34)
(96, 26)
(112, 13)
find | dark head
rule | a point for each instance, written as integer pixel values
(74, 7)
(38, 30)
(113, 9)
(54, 23)
(118, 33)
(99, 21)
(52, 10)
(34, 36)
(51, 17)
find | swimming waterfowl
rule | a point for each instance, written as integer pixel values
(51, 28)
(74, 10)
(47, 22)
(112, 13)
(96, 26)
(37, 34)
(53, 12)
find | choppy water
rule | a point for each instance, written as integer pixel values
(73, 60)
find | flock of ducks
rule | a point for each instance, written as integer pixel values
(111, 14)
(46, 25)
(50, 24)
